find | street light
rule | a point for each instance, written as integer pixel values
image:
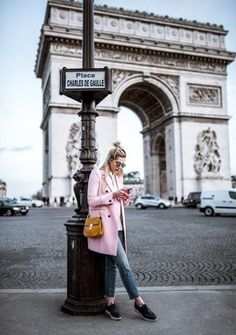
(85, 269)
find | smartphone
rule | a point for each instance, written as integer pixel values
(128, 189)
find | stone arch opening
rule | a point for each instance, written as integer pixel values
(151, 104)
(129, 127)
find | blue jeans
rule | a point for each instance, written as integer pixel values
(121, 261)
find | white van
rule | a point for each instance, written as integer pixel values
(218, 202)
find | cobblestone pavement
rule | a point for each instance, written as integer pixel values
(177, 246)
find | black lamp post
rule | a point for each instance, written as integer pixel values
(85, 269)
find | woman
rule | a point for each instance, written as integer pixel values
(107, 197)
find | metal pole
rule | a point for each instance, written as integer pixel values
(88, 34)
(85, 269)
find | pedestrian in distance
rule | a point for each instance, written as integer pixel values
(107, 197)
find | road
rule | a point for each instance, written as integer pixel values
(177, 246)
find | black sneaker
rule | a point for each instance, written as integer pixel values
(145, 312)
(113, 312)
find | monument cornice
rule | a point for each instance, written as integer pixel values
(216, 117)
(157, 49)
(168, 49)
(185, 117)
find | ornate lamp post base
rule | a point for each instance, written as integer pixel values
(74, 308)
(85, 274)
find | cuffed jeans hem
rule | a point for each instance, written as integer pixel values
(132, 298)
(112, 295)
(126, 274)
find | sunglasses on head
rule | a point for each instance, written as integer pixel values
(120, 165)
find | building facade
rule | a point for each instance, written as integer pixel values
(171, 72)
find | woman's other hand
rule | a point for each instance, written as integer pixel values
(121, 195)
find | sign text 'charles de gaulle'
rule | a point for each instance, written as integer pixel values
(85, 80)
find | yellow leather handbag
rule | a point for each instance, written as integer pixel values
(93, 227)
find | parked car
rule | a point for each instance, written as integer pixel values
(218, 202)
(193, 200)
(29, 202)
(145, 201)
(10, 207)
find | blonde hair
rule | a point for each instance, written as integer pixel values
(114, 153)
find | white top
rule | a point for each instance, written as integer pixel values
(115, 188)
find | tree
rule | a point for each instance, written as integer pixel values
(233, 180)
(37, 195)
(132, 177)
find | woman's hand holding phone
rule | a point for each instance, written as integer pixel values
(123, 193)
(127, 190)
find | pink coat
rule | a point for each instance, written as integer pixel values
(100, 202)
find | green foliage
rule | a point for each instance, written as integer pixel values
(37, 195)
(132, 177)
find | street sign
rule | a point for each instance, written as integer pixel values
(85, 83)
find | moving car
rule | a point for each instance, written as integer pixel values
(29, 202)
(218, 202)
(193, 200)
(10, 207)
(145, 201)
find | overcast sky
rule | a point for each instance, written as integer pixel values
(20, 91)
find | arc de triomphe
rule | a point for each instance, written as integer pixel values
(171, 72)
